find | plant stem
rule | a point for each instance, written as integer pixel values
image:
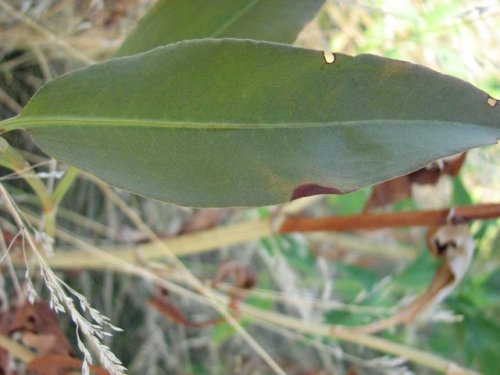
(343, 334)
(388, 220)
(64, 184)
(207, 240)
(56, 198)
(193, 243)
(11, 159)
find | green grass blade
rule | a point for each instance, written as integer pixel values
(171, 21)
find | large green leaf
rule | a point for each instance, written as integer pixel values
(172, 21)
(228, 122)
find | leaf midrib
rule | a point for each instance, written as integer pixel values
(17, 122)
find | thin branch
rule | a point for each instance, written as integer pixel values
(193, 243)
(208, 240)
(389, 220)
(344, 334)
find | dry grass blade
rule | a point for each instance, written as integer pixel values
(46, 33)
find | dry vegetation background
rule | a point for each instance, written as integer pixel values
(322, 278)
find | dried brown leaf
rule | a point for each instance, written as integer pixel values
(39, 328)
(400, 188)
(388, 192)
(453, 244)
(58, 364)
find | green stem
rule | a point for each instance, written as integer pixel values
(64, 185)
(56, 198)
(11, 159)
(49, 222)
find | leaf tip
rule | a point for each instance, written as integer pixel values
(307, 190)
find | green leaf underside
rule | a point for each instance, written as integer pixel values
(230, 122)
(269, 20)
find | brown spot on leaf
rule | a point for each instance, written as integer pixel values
(307, 190)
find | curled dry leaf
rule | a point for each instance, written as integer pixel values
(388, 192)
(455, 246)
(400, 188)
(161, 302)
(58, 364)
(431, 173)
(39, 328)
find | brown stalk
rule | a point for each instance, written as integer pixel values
(369, 221)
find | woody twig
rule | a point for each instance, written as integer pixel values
(369, 221)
